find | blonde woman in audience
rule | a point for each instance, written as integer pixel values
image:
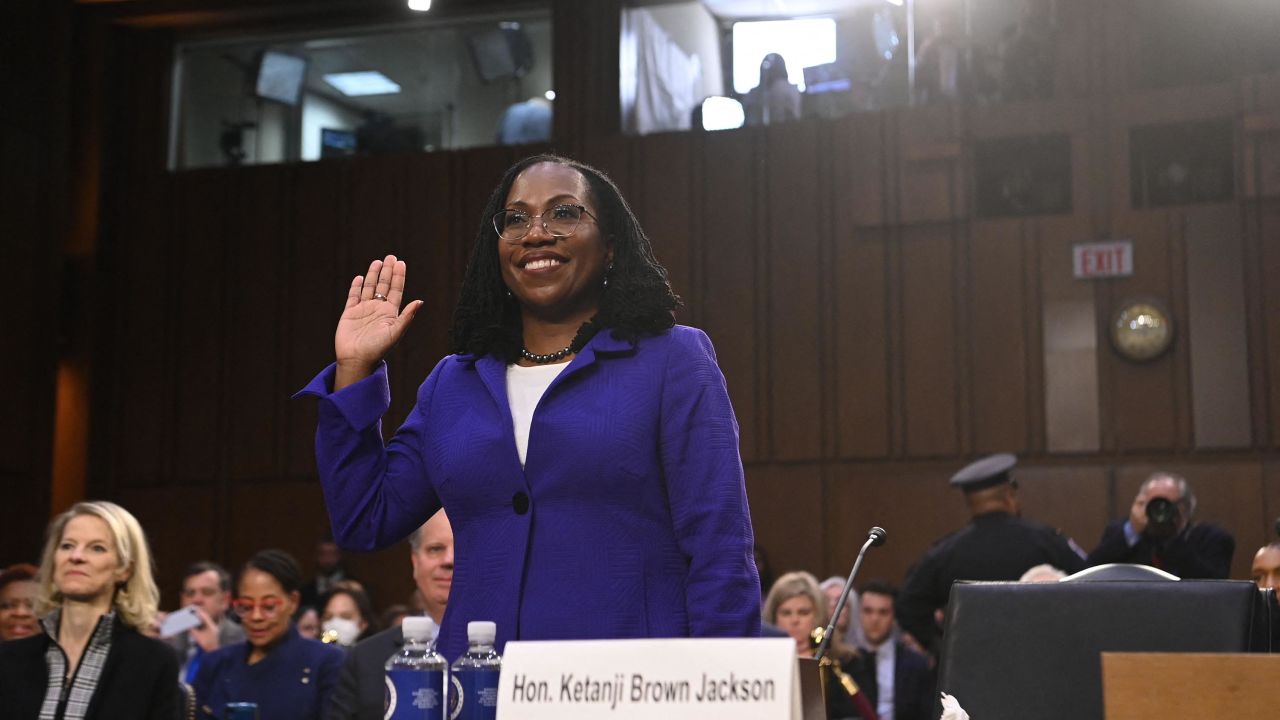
(796, 606)
(94, 591)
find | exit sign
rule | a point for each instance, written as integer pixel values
(1101, 260)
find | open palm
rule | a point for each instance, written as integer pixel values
(372, 322)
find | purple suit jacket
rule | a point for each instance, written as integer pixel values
(629, 519)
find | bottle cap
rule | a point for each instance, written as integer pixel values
(482, 631)
(419, 629)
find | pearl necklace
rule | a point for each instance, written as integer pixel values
(544, 359)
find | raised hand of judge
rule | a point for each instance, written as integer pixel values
(372, 321)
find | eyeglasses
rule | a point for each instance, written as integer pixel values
(559, 221)
(269, 606)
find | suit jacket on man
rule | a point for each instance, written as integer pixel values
(629, 518)
(229, 633)
(1200, 551)
(138, 681)
(361, 690)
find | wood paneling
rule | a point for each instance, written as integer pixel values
(730, 299)
(792, 273)
(1216, 332)
(929, 342)
(861, 336)
(790, 533)
(998, 339)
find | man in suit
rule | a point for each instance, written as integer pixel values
(206, 586)
(360, 691)
(1160, 532)
(999, 544)
(897, 679)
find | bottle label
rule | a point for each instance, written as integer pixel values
(415, 694)
(474, 695)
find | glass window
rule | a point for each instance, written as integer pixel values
(289, 98)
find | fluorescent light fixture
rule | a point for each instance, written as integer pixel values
(355, 84)
(420, 5)
(802, 43)
(550, 94)
(722, 113)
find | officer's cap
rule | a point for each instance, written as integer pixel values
(988, 472)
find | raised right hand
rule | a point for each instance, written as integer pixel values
(372, 322)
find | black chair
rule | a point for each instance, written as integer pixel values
(1121, 571)
(1033, 650)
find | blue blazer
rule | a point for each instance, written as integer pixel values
(629, 519)
(293, 682)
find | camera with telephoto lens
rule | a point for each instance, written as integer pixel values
(1162, 517)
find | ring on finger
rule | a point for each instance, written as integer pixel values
(379, 296)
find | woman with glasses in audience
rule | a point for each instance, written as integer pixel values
(94, 591)
(289, 677)
(625, 484)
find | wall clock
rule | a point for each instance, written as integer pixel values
(1141, 330)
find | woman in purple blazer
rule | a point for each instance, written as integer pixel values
(582, 443)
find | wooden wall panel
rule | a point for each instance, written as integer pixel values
(318, 275)
(793, 271)
(863, 154)
(998, 343)
(928, 156)
(664, 181)
(181, 526)
(201, 202)
(929, 342)
(862, 380)
(258, 239)
(1070, 335)
(440, 244)
(730, 297)
(1143, 405)
(786, 502)
(1075, 499)
(1267, 227)
(143, 377)
(914, 504)
(1216, 327)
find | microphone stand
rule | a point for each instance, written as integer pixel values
(875, 537)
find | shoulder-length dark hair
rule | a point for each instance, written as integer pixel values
(638, 300)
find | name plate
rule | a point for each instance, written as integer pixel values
(676, 679)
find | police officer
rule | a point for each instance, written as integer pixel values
(997, 545)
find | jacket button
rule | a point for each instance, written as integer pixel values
(520, 502)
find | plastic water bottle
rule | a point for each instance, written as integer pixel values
(416, 674)
(475, 675)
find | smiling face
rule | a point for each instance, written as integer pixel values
(555, 278)
(264, 607)
(87, 565)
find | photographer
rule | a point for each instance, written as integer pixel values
(1160, 533)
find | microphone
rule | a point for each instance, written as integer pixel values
(876, 537)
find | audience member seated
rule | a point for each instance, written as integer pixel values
(1160, 532)
(307, 622)
(526, 122)
(1266, 566)
(896, 679)
(796, 605)
(394, 615)
(775, 99)
(1044, 573)
(206, 586)
(329, 573)
(347, 617)
(359, 694)
(17, 603)
(289, 677)
(95, 591)
(851, 633)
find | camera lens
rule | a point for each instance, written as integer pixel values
(1162, 511)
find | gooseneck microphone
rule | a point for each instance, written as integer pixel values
(875, 538)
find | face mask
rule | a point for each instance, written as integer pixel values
(340, 631)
